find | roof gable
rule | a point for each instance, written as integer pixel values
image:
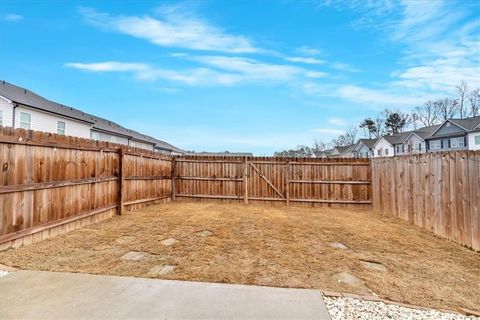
(452, 128)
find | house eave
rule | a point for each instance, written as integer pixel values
(51, 112)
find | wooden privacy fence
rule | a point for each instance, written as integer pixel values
(50, 184)
(436, 191)
(342, 182)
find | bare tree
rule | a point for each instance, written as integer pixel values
(427, 114)
(318, 146)
(447, 108)
(345, 139)
(474, 102)
(462, 90)
(379, 124)
(351, 134)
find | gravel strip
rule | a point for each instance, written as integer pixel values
(349, 308)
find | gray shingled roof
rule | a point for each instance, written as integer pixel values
(345, 149)
(426, 132)
(368, 142)
(397, 138)
(467, 123)
(28, 98)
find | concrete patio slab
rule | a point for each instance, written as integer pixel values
(57, 295)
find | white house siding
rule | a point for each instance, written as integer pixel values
(363, 152)
(412, 145)
(383, 145)
(471, 141)
(142, 145)
(102, 136)
(6, 110)
(43, 121)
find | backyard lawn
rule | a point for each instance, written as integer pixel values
(344, 250)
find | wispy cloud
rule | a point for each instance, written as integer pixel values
(308, 51)
(215, 70)
(329, 131)
(344, 67)
(146, 72)
(307, 60)
(172, 29)
(254, 69)
(337, 121)
(12, 17)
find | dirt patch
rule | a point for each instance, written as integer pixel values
(274, 246)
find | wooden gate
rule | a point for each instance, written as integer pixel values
(343, 182)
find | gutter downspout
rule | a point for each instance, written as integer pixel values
(13, 115)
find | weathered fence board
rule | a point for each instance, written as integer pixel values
(314, 182)
(50, 184)
(436, 191)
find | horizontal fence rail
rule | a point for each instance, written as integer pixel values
(437, 191)
(315, 182)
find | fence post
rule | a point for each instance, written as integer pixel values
(120, 206)
(245, 181)
(287, 182)
(173, 179)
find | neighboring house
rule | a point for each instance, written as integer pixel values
(21, 108)
(322, 154)
(455, 134)
(364, 148)
(415, 141)
(390, 146)
(342, 152)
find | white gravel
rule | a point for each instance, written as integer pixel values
(349, 308)
(3, 273)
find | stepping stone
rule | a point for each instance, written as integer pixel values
(348, 279)
(161, 270)
(124, 240)
(7, 268)
(133, 256)
(338, 245)
(372, 265)
(204, 233)
(169, 241)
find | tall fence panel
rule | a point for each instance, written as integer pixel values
(50, 184)
(436, 191)
(313, 182)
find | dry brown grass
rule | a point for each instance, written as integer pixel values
(282, 246)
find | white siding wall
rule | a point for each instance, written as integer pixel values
(471, 141)
(43, 121)
(141, 145)
(383, 145)
(6, 109)
(363, 152)
(108, 137)
(414, 141)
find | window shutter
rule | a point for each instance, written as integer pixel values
(449, 143)
(441, 144)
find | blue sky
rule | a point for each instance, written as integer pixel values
(254, 76)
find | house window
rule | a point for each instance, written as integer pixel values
(95, 135)
(435, 144)
(25, 120)
(458, 142)
(386, 152)
(477, 140)
(379, 152)
(61, 127)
